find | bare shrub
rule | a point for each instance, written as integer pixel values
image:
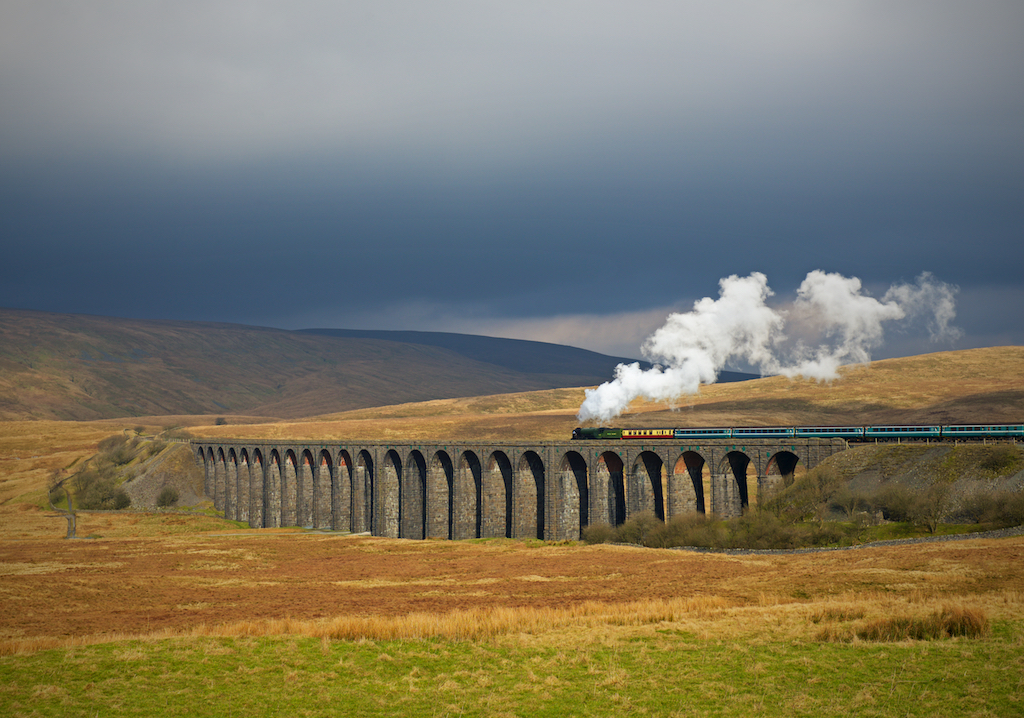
(981, 507)
(1000, 508)
(894, 502)
(598, 533)
(762, 530)
(638, 528)
(826, 533)
(850, 502)
(98, 489)
(930, 506)
(1002, 459)
(689, 530)
(809, 496)
(167, 497)
(116, 449)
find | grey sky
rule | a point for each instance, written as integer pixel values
(568, 171)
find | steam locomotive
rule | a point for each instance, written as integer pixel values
(886, 432)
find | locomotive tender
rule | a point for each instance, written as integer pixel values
(885, 432)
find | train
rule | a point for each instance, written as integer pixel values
(881, 432)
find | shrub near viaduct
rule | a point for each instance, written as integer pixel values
(546, 490)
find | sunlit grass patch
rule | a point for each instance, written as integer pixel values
(632, 672)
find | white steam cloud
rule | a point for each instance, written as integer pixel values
(830, 323)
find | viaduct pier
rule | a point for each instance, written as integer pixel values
(548, 490)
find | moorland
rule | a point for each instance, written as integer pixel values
(184, 613)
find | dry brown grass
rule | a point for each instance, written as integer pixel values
(153, 583)
(173, 575)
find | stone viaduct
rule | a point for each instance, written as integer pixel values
(548, 490)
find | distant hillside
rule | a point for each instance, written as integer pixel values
(968, 386)
(64, 366)
(519, 355)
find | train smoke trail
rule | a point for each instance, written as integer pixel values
(830, 323)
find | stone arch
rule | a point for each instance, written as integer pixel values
(467, 499)
(323, 480)
(785, 465)
(413, 492)
(688, 480)
(244, 492)
(289, 490)
(257, 516)
(207, 483)
(607, 490)
(780, 472)
(272, 495)
(304, 490)
(231, 486)
(220, 487)
(440, 491)
(496, 496)
(646, 490)
(731, 479)
(390, 496)
(530, 496)
(363, 494)
(342, 509)
(574, 490)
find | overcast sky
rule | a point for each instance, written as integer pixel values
(563, 171)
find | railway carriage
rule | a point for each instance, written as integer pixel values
(763, 432)
(648, 433)
(983, 431)
(880, 432)
(850, 433)
(902, 432)
(703, 433)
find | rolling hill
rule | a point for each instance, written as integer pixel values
(969, 386)
(62, 366)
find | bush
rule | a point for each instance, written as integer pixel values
(924, 507)
(117, 449)
(98, 490)
(221, 421)
(638, 528)
(689, 530)
(1002, 459)
(894, 502)
(761, 530)
(155, 447)
(168, 497)
(597, 533)
(1002, 508)
(809, 496)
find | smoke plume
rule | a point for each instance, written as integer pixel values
(830, 323)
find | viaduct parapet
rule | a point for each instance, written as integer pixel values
(453, 490)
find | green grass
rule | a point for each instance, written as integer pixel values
(654, 671)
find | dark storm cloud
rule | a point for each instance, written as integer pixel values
(502, 167)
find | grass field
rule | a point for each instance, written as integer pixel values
(643, 670)
(172, 614)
